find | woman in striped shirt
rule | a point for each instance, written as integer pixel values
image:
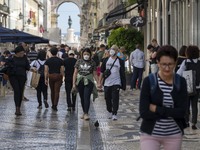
(163, 110)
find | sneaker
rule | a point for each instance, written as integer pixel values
(110, 116)
(39, 107)
(69, 109)
(114, 117)
(82, 117)
(194, 127)
(46, 104)
(86, 117)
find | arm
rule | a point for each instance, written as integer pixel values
(182, 68)
(180, 104)
(96, 77)
(74, 77)
(145, 101)
(62, 71)
(153, 55)
(130, 58)
(46, 74)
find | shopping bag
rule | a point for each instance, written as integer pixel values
(35, 79)
(29, 77)
(190, 77)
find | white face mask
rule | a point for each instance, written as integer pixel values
(112, 52)
(86, 57)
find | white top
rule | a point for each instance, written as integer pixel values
(36, 64)
(137, 58)
(114, 78)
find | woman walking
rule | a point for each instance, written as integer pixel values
(163, 103)
(17, 67)
(54, 71)
(38, 65)
(83, 78)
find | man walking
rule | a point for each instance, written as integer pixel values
(137, 59)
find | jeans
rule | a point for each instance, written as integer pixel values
(55, 82)
(71, 98)
(172, 142)
(18, 84)
(111, 94)
(41, 89)
(193, 101)
(85, 92)
(137, 74)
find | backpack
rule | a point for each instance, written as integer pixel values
(41, 69)
(153, 82)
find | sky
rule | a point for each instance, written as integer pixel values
(65, 10)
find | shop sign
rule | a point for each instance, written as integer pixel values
(137, 21)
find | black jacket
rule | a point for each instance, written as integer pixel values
(122, 71)
(180, 98)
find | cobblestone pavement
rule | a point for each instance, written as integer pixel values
(48, 130)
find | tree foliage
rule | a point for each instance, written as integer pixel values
(126, 37)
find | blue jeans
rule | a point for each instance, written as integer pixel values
(137, 74)
(85, 92)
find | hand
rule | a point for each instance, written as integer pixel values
(152, 108)
(46, 82)
(74, 86)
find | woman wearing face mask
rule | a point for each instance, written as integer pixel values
(83, 79)
(113, 82)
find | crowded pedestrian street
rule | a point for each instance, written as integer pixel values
(45, 129)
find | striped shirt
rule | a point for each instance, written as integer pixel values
(166, 127)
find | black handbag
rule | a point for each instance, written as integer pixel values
(107, 72)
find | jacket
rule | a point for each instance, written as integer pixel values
(122, 71)
(180, 98)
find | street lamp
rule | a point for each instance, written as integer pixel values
(21, 16)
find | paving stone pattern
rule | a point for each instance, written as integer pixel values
(48, 130)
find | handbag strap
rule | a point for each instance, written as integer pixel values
(113, 63)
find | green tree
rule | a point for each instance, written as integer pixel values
(126, 37)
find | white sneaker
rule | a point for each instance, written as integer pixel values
(114, 117)
(110, 116)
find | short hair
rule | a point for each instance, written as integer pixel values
(115, 47)
(54, 51)
(102, 46)
(192, 52)
(62, 46)
(154, 40)
(150, 46)
(86, 50)
(19, 49)
(41, 55)
(138, 46)
(182, 50)
(167, 50)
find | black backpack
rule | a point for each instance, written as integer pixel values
(41, 69)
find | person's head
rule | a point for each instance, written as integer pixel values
(166, 58)
(71, 53)
(138, 46)
(154, 43)
(102, 47)
(150, 47)
(182, 51)
(54, 51)
(6, 53)
(41, 55)
(106, 54)
(19, 51)
(86, 54)
(62, 46)
(192, 52)
(122, 49)
(113, 50)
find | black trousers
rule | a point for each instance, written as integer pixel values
(71, 98)
(18, 83)
(193, 102)
(41, 89)
(85, 92)
(111, 94)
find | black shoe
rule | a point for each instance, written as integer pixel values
(54, 108)
(187, 124)
(18, 113)
(39, 107)
(69, 109)
(46, 104)
(73, 108)
(194, 127)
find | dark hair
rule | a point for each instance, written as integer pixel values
(182, 50)
(150, 46)
(86, 50)
(54, 51)
(192, 52)
(41, 55)
(102, 45)
(154, 40)
(19, 49)
(6, 52)
(62, 46)
(167, 50)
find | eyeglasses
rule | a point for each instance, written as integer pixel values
(164, 65)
